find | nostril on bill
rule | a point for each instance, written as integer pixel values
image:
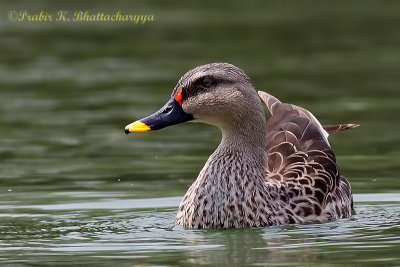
(167, 109)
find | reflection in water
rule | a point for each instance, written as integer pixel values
(238, 246)
(375, 226)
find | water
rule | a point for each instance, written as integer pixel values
(74, 189)
(107, 228)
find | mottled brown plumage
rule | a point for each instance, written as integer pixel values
(302, 161)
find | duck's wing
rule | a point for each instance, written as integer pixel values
(273, 104)
(302, 162)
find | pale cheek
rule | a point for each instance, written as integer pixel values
(213, 108)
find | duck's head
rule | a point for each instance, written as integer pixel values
(218, 93)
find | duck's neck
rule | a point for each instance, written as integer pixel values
(247, 138)
(231, 185)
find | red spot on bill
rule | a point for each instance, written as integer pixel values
(178, 96)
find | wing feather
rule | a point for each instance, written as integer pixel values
(302, 161)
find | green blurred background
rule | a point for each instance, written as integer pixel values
(68, 89)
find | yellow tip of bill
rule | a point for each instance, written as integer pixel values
(137, 126)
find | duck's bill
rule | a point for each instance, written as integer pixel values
(171, 113)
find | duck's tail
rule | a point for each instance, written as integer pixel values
(335, 128)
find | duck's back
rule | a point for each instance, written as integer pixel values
(302, 164)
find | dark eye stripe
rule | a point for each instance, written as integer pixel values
(200, 85)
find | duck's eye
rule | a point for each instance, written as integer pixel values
(207, 82)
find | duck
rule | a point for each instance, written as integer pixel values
(265, 171)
